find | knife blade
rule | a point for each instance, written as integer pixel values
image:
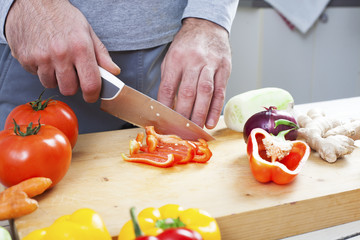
(135, 107)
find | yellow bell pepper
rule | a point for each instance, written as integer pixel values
(154, 221)
(83, 224)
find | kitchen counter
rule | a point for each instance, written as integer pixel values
(323, 195)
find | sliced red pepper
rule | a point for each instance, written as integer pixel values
(183, 154)
(183, 150)
(134, 146)
(164, 139)
(203, 153)
(152, 143)
(158, 147)
(140, 137)
(151, 159)
(280, 168)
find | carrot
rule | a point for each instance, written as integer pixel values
(16, 205)
(33, 186)
(16, 202)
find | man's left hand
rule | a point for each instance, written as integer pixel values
(195, 71)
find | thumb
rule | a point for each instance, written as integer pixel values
(102, 55)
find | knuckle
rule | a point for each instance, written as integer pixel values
(187, 92)
(206, 87)
(80, 46)
(167, 90)
(29, 64)
(219, 94)
(90, 88)
(226, 64)
(26, 61)
(59, 50)
(101, 46)
(176, 55)
(198, 56)
(42, 56)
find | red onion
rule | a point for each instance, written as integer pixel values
(266, 120)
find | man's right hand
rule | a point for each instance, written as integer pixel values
(54, 40)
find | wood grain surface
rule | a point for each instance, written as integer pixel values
(322, 195)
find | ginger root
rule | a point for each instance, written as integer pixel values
(350, 129)
(331, 138)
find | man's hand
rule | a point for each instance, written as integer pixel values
(196, 69)
(54, 40)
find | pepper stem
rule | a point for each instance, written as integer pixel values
(138, 232)
(169, 223)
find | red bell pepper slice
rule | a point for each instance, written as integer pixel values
(135, 146)
(203, 153)
(151, 159)
(158, 147)
(277, 165)
(182, 153)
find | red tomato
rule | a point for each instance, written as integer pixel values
(47, 153)
(51, 112)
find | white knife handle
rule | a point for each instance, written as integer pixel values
(111, 85)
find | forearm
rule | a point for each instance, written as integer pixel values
(4, 9)
(220, 12)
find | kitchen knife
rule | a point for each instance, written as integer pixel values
(135, 107)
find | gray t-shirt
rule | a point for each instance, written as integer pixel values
(139, 24)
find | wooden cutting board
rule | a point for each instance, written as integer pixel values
(322, 195)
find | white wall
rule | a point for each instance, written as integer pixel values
(321, 65)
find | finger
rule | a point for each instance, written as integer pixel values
(102, 55)
(67, 79)
(187, 92)
(46, 74)
(204, 95)
(64, 69)
(217, 103)
(87, 71)
(170, 79)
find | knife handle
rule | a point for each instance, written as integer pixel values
(111, 85)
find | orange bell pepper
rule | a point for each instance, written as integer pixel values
(272, 158)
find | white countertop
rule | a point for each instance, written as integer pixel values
(346, 107)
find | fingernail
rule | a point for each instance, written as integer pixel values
(210, 123)
(118, 69)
